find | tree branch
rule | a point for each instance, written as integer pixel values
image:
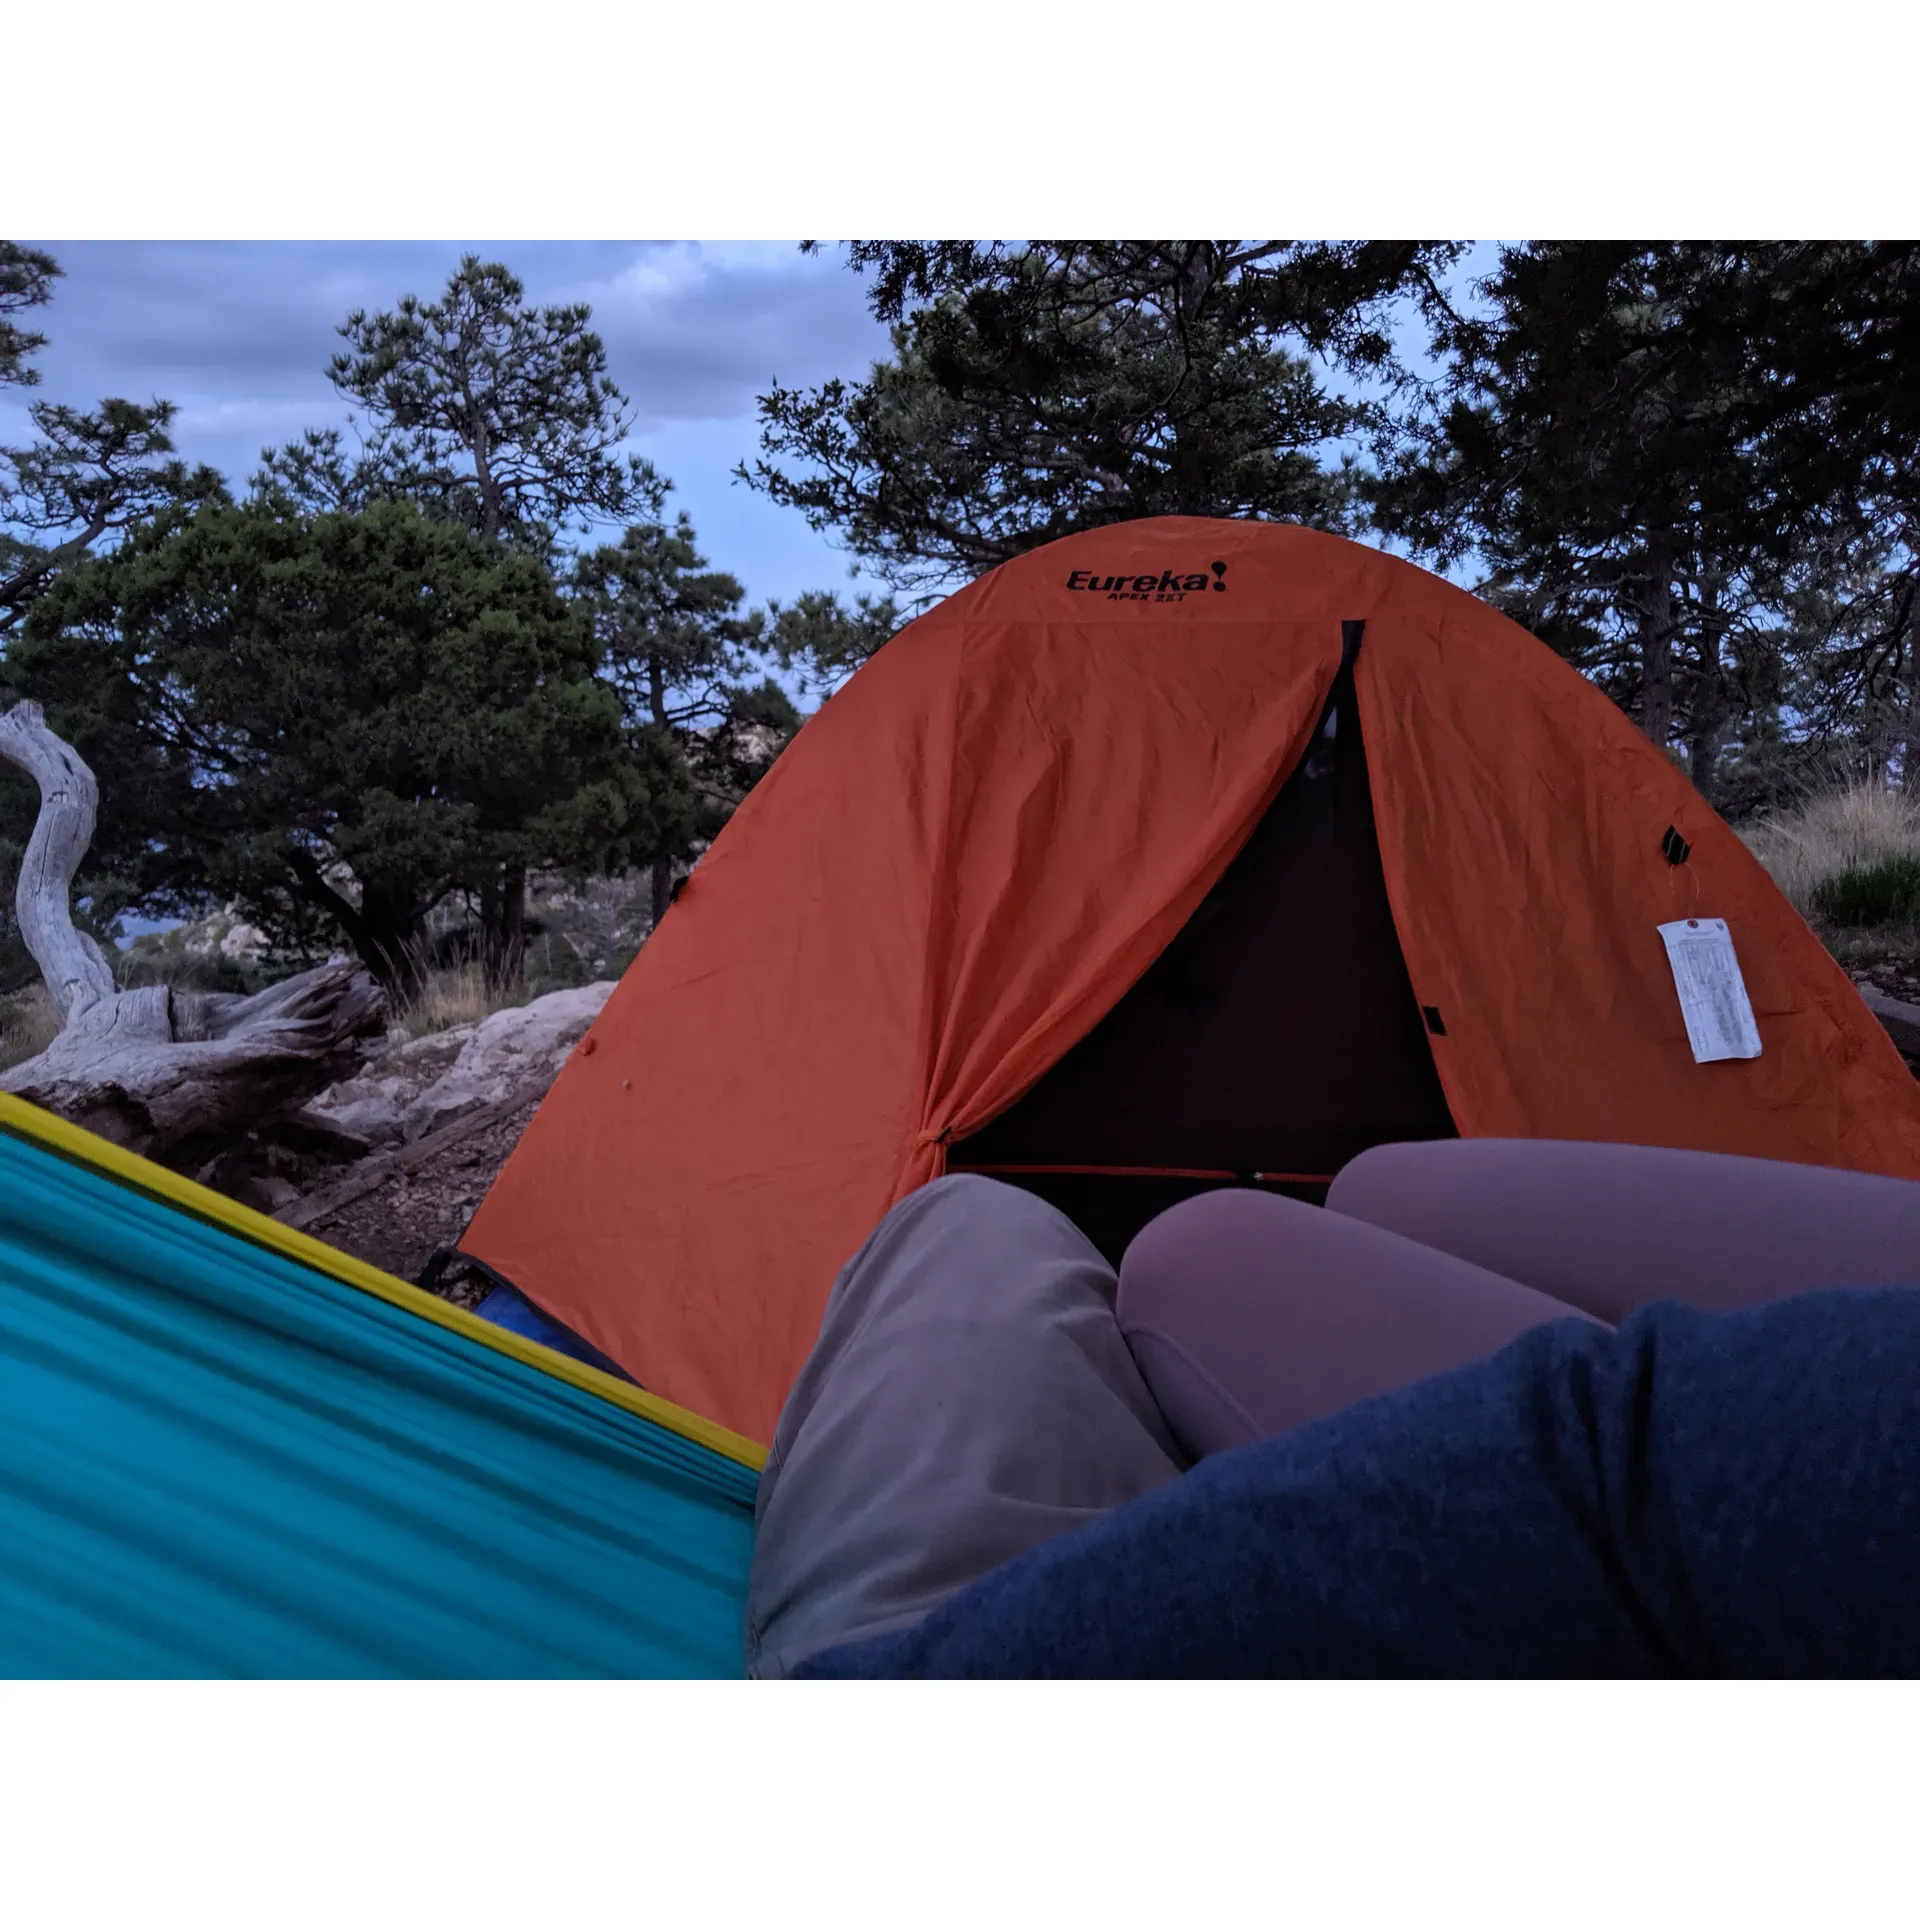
(75, 970)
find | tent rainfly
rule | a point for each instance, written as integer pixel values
(1175, 854)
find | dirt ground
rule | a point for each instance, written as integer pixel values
(398, 1226)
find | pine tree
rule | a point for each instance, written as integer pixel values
(1040, 388)
(26, 281)
(1587, 443)
(675, 639)
(1672, 459)
(502, 418)
(86, 477)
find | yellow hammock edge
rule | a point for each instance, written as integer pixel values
(76, 1143)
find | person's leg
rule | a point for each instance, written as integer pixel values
(1249, 1313)
(969, 1396)
(1609, 1228)
(1698, 1494)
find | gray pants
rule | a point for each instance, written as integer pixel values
(970, 1396)
(982, 1382)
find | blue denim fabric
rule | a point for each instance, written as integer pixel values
(1695, 1494)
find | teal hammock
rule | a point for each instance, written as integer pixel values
(216, 1462)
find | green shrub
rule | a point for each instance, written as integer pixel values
(1877, 893)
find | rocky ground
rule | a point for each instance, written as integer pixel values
(1898, 978)
(422, 1111)
(400, 1225)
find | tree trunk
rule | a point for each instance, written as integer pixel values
(389, 933)
(663, 866)
(1910, 720)
(160, 1071)
(1703, 753)
(657, 690)
(391, 939)
(477, 444)
(1190, 461)
(184, 1076)
(1706, 715)
(503, 930)
(1656, 641)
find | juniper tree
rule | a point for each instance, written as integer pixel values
(287, 701)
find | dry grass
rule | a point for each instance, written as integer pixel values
(1831, 831)
(28, 1025)
(454, 999)
(1820, 838)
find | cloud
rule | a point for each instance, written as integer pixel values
(276, 420)
(693, 331)
(698, 332)
(238, 335)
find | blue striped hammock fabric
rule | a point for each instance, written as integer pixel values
(218, 1460)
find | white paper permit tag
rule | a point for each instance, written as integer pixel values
(1713, 997)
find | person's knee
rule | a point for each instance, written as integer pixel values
(1002, 1228)
(959, 1209)
(969, 1396)
(976, 1202)
(1190, 1238)
(1184, 1308)
(975, 1195)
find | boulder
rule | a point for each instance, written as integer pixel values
(373, 1104)
(1901, 1021)
(418, 1086)
(516, 1047)
(366, 1109)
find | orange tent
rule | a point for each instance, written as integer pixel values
(1087, 879)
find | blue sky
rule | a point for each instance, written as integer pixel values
(238, 334)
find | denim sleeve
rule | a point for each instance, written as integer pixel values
(1696, 1494)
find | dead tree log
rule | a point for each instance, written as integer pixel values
(171, 1074)
(75, 970)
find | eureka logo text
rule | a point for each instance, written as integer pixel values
(1148, 586)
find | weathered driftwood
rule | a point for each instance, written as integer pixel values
(75, 970)
(160, 1070)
